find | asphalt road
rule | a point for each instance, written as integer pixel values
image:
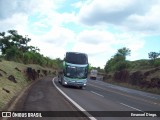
(43, 96)
(98, 99)
(100, 96)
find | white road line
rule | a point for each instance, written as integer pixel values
(131, 107)
(96, 86)
(97, 93)
(74, 103)
(149, 96)
(122, 89)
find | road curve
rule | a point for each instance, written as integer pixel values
(100, 96)
(43, 96)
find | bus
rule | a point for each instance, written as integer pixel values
(75, 70)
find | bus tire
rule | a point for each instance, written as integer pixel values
(81, 87)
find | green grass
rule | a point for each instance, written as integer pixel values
(22, 81)
(143, 64)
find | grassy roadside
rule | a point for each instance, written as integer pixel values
(7, 68)
(141, 76)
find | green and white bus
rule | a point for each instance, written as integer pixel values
(75, 70)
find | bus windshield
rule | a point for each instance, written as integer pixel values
(76, 72)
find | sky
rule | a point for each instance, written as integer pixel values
(96, 27)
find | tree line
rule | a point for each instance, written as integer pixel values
(14, 47)
(118, 62)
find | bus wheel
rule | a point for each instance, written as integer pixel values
(59, 81)
(81, 87)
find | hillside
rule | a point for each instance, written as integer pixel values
(143, 64)
(13, 79)
(140, 74)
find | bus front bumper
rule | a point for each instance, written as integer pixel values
(77, 83)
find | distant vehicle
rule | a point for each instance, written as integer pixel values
(93, 74)
(75, 70)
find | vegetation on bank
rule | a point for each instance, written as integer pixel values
(14, 47)
(141, 74)
(118, 61)
(16, 58)
(13, 79)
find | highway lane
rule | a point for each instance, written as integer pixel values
(142, 100)
(100, 96)
(43, 96)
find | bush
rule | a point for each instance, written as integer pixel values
(27, 57)
(13, 54)
(156, 63)
(121, 65)
(116, 66)
(33, 58)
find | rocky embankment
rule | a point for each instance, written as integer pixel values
(144, 78)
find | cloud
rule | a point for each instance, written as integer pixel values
(17, 14)
(41, 22)
(104, 11)
(53, 43)
(50, 32)
(49, 49)
(78, 4)
(131, 15)
(17, 22)
(58, 36)
(148, 22)
(134, 43)
(8, 8)
(94, 41)
(96, 37)
(100, 45)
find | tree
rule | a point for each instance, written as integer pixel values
(118, 61)
(59, 62)
(14, 39)
(108, 67)
(124, 52)
(4, 42)
(33, 49)
(153, 56)
(15, 47)
(13, 54)
(2, 34)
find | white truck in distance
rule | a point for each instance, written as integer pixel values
(93, 74)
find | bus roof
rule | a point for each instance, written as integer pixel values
(76, 58)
